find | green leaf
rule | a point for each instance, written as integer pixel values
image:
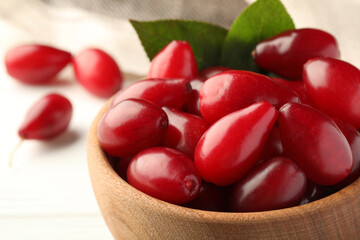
(261, 20)
(205, 39)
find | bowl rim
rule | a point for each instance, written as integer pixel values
(120, 186)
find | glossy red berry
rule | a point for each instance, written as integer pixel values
(274, 184)
(273, 146)
(314, 192)
(47, 118)
(131, 126)
(231, 146)
(212, 71)
(298, 87)
(233, 90)
(312, 140)
(35, 64)
(210, 198)
(184, 131)
(353, 137)
(175, 60)
(192, 105)
(334, 87)
(166, 174)
(160, 91)
(286, 53)
(97, 72)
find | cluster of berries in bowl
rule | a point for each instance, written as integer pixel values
(235, 140)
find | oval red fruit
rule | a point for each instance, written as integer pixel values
(160, 91)
(274, 184)
(334, 87)
(35, 64)
(97, 72)
(312, 140)
(286, 53)
(175, 60)
(353, 137)
(273, 146)
(231, 146)
(230, 91)
(184, 131)
(47, 118)
(131, 126)
(166, 174)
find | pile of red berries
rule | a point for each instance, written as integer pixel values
(233, 140)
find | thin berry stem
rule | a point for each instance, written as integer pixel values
(13, 151)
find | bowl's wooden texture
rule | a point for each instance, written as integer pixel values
(131, 214)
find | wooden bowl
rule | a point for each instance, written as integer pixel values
(131, 214)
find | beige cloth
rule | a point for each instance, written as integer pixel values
(221, 12)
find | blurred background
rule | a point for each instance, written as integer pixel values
(47, 193)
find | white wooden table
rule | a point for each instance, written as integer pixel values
(47, 193)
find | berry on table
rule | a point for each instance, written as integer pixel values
(35, 64)
(46, 119)
(97, 72)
